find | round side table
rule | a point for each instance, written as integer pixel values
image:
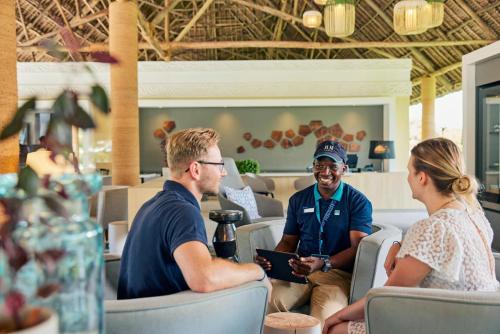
(291, 323)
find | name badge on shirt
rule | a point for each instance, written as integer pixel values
(308, 210)
(336, 213)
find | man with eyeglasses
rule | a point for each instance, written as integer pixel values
(324, 225)
(166, 249)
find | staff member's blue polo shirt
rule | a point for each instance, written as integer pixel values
(352, 211)
(163, 223)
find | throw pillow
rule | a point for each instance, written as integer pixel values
(245, 198)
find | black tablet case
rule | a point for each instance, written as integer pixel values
(280, 268)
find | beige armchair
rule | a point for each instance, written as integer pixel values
(416, 310)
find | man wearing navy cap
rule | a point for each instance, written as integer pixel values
(324, 225)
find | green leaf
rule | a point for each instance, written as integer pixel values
(65, 105)
(28, 181)
(82, 120)
(58, 130)
(99, 98)
(17, 122)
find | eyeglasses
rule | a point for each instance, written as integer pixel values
(219, 164)
(320, 167)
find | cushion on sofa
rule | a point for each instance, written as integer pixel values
(245, 198)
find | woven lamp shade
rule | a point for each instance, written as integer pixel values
(437, 16)
(412, 17)
(340, 18)
(311, 19)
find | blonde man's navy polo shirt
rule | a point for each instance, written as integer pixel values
(351, 211)
(163, 223)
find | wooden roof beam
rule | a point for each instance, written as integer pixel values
(73, 24)
(148, 35)
(274, 44)
(442, 71)
(193, 21)
(293, 19)
(484, 27)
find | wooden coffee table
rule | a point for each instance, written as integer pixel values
(291, 323)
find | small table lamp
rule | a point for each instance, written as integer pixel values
(381, 149)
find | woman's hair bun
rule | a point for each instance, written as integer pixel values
(462, 184)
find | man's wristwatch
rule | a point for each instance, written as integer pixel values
(327, 266)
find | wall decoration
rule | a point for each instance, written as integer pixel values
(168, 126)
(277, 135)
(348, 137)
(159, 133)
(286, 143)
(269, 144)
(353, 147)
(304, 130)
(290, 133)
(247, 136)
(321, 132)
(297, 141)
(256, 143)
(316, 124)
(360, 135)
(336, 130)
(162, 134)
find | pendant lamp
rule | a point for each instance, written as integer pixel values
(437, 16)
(412, 17)
(311, 19)
(339, 17)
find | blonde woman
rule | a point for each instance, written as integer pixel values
(450, 249)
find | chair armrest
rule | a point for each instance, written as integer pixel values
(417, 310)
(269, 207)
(368, 271)
(237, 310)
(265, 235)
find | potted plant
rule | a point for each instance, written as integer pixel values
(51, 252)
(248, 166)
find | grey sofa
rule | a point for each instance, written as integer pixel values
(368, 269)
(237, 310)
(415, 311)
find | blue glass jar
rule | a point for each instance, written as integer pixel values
(79, 273)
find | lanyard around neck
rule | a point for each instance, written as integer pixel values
(323, 221)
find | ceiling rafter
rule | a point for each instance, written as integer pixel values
(265, 29)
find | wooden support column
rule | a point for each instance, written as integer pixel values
(9, 149)
(124, 95)
(428, 91)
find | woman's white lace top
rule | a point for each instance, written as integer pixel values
(450, 244)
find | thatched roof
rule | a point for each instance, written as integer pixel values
(267, 29)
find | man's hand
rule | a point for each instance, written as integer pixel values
(263, 262)
(391, 260)
(306, 265)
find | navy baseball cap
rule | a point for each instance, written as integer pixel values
(332, 150)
